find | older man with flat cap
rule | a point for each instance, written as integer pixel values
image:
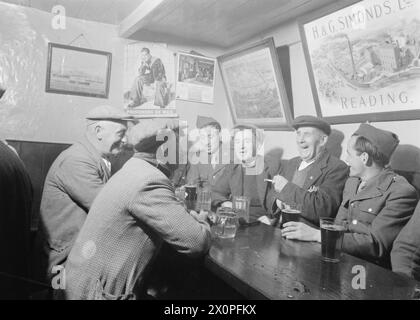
(314, 180)
(377, 203)
(134, 214)
(74, 180)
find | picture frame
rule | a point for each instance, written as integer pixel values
(363, 60)
(78, 71)
(195, 78)
(255, 88)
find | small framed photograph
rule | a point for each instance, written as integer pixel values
(78, 71)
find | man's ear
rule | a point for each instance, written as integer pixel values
(99, 131)
(324, 140)
(365, 158)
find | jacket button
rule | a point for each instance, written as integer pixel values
(354, 221)
(370, 209)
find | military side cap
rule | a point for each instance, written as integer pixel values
(385, 141)
(107, 113)
(311, 121)
(206, 121)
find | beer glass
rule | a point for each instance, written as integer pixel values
(226, 223)
(240, 206)
(290, 213)
(331, 239)
(191, 197)
(204, 200)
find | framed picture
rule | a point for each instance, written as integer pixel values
(78, 71)
(254, 86)
(363, 60)
(195, 78)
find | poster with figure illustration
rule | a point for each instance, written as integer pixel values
(364, 60)
(149, 80)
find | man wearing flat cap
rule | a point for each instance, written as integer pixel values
(133, 215)
(210, 160)
(74, 180)
(314, 180)
(377, 203)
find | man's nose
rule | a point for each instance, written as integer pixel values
(124, 140)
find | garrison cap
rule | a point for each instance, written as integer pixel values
(385, 141)
(311, 121)
(206, 121)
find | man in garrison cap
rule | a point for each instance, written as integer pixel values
(209, 159)
(314, 180)
(74, 180)
(377, 203)
(132, 217)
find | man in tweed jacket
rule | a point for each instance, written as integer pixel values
(127, 224)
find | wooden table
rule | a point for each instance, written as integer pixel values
(261, 264)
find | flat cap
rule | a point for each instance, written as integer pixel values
(206, 121)
(311, 121)
(107, 113)
(385, 141)
(143, 136)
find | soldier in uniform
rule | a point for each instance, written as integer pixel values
(377, 203)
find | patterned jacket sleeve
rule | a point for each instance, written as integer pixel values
(157, 207)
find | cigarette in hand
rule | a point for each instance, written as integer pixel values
(268, 180)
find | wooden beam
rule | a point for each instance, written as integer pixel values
(139, 17)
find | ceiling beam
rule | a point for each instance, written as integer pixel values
(139, 17)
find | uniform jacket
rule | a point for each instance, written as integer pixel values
(327, 176)
(405, 254)
(129, 220)
(375, 215)
(16, 196)
(72, 183)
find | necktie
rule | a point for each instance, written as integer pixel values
(362, 185)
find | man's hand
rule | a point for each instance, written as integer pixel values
(300, 231)
(279, 182)
(202, 216)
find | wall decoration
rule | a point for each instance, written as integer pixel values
(149, 80)
(195, 81)
(363, 60)
(78, 71)
(254, 86)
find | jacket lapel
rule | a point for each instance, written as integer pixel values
(377, 187)
(315, 172)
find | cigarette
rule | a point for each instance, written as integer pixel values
(268, 180)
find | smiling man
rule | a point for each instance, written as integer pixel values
(377, 203)
(314, 180)
(74, 180)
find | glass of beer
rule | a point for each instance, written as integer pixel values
(241, 208)
(331, 239)
(290, 213)
(191, 197)
(226, 223)
(204, 200)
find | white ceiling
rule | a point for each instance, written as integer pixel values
(106, 11)
(219, 23)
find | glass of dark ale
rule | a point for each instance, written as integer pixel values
(190, 197)
(331, 239)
